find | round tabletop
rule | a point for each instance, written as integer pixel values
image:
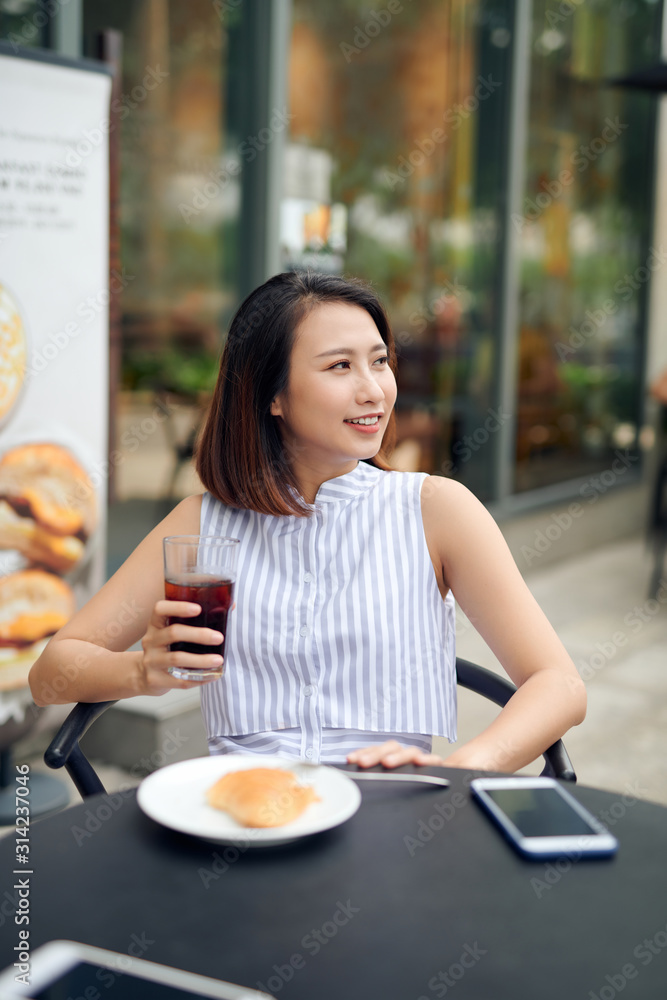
(415, 896)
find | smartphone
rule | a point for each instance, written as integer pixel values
(541, 819)
(69, 969)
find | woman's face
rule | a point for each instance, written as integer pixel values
(339, 373)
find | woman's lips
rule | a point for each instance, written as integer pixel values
(365, 428)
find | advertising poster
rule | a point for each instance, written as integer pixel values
(54, 297)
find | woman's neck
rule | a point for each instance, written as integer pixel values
(309, 478)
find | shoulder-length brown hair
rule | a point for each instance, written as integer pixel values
(241, 458)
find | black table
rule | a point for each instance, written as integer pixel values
(417, 896)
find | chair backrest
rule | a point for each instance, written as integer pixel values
(499, 690)
(64, 750)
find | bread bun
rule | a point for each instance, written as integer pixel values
(45, 482)
(33, 604)
(261, 796)
(36, 543)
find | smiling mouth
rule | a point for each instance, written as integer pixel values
(366, 421)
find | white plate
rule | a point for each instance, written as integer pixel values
(175, 796)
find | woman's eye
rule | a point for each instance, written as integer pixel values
(379, 361)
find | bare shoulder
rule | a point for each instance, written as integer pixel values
(184, 518)
(456, 524)
(443, 498)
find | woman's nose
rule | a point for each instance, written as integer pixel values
(370, 388)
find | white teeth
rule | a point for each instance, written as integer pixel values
(363, 420)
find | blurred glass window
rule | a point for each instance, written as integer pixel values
(180, 189)
(395, 173)
(585, 237)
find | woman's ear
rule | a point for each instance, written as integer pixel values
(276, 407)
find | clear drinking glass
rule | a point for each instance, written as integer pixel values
(201, 569)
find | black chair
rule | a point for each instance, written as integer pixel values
(64, 749)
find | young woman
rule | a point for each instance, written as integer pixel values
(341, 645)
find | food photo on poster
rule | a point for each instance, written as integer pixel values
(48, 522)
(54, 295)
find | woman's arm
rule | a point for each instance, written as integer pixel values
(87, 660)
(479, 569)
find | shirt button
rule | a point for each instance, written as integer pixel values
(308, 578)
(308, 690)
(309, 752)
(304, 630)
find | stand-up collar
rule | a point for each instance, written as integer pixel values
(350, 485)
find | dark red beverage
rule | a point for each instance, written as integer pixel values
(215, 596)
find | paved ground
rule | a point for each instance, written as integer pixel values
(618, 639)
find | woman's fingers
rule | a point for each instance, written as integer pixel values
(173, 609)
(159, 653)
(393, 754)
(431, 759)
(391, 751)
(159, 656)
(193, 661)
(187, 633)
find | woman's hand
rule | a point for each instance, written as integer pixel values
(157, 657)
(392, 754)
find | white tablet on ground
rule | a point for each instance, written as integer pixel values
(68, 969)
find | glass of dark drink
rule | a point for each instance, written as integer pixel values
(200, 569)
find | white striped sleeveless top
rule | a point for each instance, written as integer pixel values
(340, 637)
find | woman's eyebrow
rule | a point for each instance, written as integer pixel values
(351, 350)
